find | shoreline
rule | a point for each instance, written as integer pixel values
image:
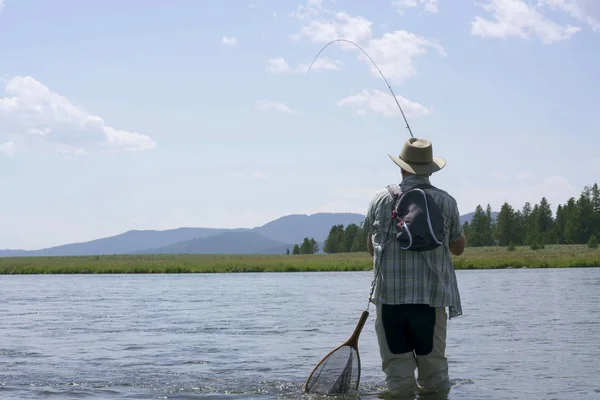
(552, 256)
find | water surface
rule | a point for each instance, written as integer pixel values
(526, 334)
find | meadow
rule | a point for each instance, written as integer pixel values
(552, 256)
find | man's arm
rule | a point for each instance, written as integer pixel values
(458, 246)
(457, 235)
(368, 224)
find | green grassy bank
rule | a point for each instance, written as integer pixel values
(556, 256)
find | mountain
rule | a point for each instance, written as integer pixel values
(225, 243)
(127, 242)
(274, 236)
(294, 228)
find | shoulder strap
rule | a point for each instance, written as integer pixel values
(394, 190)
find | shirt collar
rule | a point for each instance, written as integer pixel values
(412, 181)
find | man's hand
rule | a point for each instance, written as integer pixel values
(458, 246)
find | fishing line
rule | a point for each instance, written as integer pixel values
(380, 73)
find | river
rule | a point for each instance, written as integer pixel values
(525, 334)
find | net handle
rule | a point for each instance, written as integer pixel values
(353, 340)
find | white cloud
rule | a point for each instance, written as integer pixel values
(34, 115)
(519, 19)
(393, 52)
(587, 11)
(1, 5)
(383, 103)
(342, 25)
(280, 66)
(8, 147)
(428, 5)
(264, 105)
(229, 41)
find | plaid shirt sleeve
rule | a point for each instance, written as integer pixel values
(456, 228)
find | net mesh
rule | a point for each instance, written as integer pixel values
(338, 373)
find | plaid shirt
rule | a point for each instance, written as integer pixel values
(407, 277)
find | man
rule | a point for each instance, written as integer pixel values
(413, 288)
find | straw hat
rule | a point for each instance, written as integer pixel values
(417, 157)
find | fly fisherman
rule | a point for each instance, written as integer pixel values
(414, 286)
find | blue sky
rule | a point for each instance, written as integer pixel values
(154, 115)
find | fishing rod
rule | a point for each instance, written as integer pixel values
(380, 73)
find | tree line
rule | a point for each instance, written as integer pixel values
(352, 238)
(577, 221)
(308, 246)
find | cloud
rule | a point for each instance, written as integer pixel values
(518, 19)
(587, 11)
(264, 105)
(280, 66)
(1, 6)
(393, 52)
(8, 147)
(383, 103)
(32, 115)
(428, 5)
(229, 41)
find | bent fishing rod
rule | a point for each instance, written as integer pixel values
(380, 73)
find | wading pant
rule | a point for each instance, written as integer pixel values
(412, 336)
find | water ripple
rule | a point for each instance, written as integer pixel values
(526, 334)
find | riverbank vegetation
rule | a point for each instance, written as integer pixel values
(551, 256)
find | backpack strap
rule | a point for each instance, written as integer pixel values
(394, 191)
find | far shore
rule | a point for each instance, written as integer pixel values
(552, 256)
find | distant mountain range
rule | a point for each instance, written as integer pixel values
(272, 238)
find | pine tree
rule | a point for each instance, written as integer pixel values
(360, 240)
(296, 249)
(545, 223)
(333, 243)
(506, 225)
(306, 247)
(348, 237)
(476, 233)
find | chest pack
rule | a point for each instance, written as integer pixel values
(418, 221)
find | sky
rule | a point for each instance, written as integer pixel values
(156, 115)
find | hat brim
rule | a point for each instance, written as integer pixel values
(420, 169)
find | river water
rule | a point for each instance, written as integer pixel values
(526, 334)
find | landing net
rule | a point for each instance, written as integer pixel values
(337, 373)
